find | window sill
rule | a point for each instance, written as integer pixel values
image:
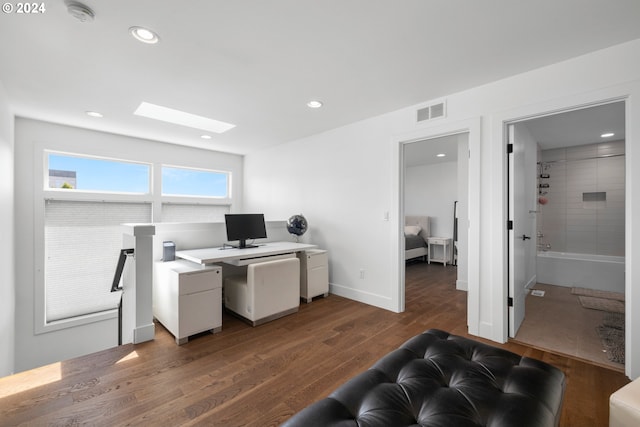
(57, 325)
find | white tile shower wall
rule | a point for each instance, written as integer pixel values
(567, 222)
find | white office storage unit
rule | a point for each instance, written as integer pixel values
(314, 274)
(187, 298)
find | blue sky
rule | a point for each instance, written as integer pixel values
(193, 182)
(109, 175)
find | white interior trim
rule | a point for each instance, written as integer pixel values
(472, 127)
(630, 93)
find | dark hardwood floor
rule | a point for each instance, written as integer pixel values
(260, 376)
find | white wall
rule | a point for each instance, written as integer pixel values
(341, 180)
(7, 272)
(431, 190)
(32, 136)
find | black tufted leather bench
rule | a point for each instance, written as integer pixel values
(437, 379)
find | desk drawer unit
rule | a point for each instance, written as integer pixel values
(187, 298)
(314, 274)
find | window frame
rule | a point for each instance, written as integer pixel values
(195, 199)
(62, 193)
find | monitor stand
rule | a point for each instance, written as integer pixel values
(242, 244)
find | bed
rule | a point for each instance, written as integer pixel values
(416, 232)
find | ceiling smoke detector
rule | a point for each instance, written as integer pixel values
(81, 12)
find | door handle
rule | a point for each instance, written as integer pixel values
(524, 237)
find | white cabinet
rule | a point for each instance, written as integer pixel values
(445, 242)
(314, 274)
(187, 298)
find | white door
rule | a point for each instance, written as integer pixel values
(519, 234)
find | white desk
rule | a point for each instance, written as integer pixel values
(265, 252)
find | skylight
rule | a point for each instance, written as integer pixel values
(181, 118)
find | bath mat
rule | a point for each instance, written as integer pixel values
(598, 293)
(613, 320)
(603, 304)
(613, 342)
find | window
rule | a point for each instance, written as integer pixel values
(194, 182)
(82, 232)
(68, 172)
(86, 199)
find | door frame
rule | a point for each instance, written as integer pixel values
(472, 127)
(630, 94)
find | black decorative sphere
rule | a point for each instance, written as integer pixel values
(297, 225)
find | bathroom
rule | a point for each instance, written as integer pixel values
(579, 216)
(580, 221)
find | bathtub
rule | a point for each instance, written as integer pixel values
(601, 272)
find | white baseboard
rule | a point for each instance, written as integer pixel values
(144, 333)
(531, 282)
(363, 297)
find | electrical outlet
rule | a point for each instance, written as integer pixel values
(361, 273)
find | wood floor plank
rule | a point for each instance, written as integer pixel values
(245, 376)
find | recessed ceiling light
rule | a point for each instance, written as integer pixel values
(94, 114)
(181, 118)
(314, 104)
(440, 155)
(607, 135)
(144, 35)
(205, 136)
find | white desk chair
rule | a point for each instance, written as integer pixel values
(269, 291)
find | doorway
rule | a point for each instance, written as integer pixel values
(435, 194)
(568, 219)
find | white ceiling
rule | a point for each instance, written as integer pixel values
(426, 152)
(579, 127)
(256, 63)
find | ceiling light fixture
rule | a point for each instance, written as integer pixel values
(94, 114)
(205, 136)
(181, 118)
(314, 104)
(607, 135)
(440, 155)
(144, 35)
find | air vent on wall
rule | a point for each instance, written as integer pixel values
(430, 112)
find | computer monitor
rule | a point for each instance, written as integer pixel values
(243, 227)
